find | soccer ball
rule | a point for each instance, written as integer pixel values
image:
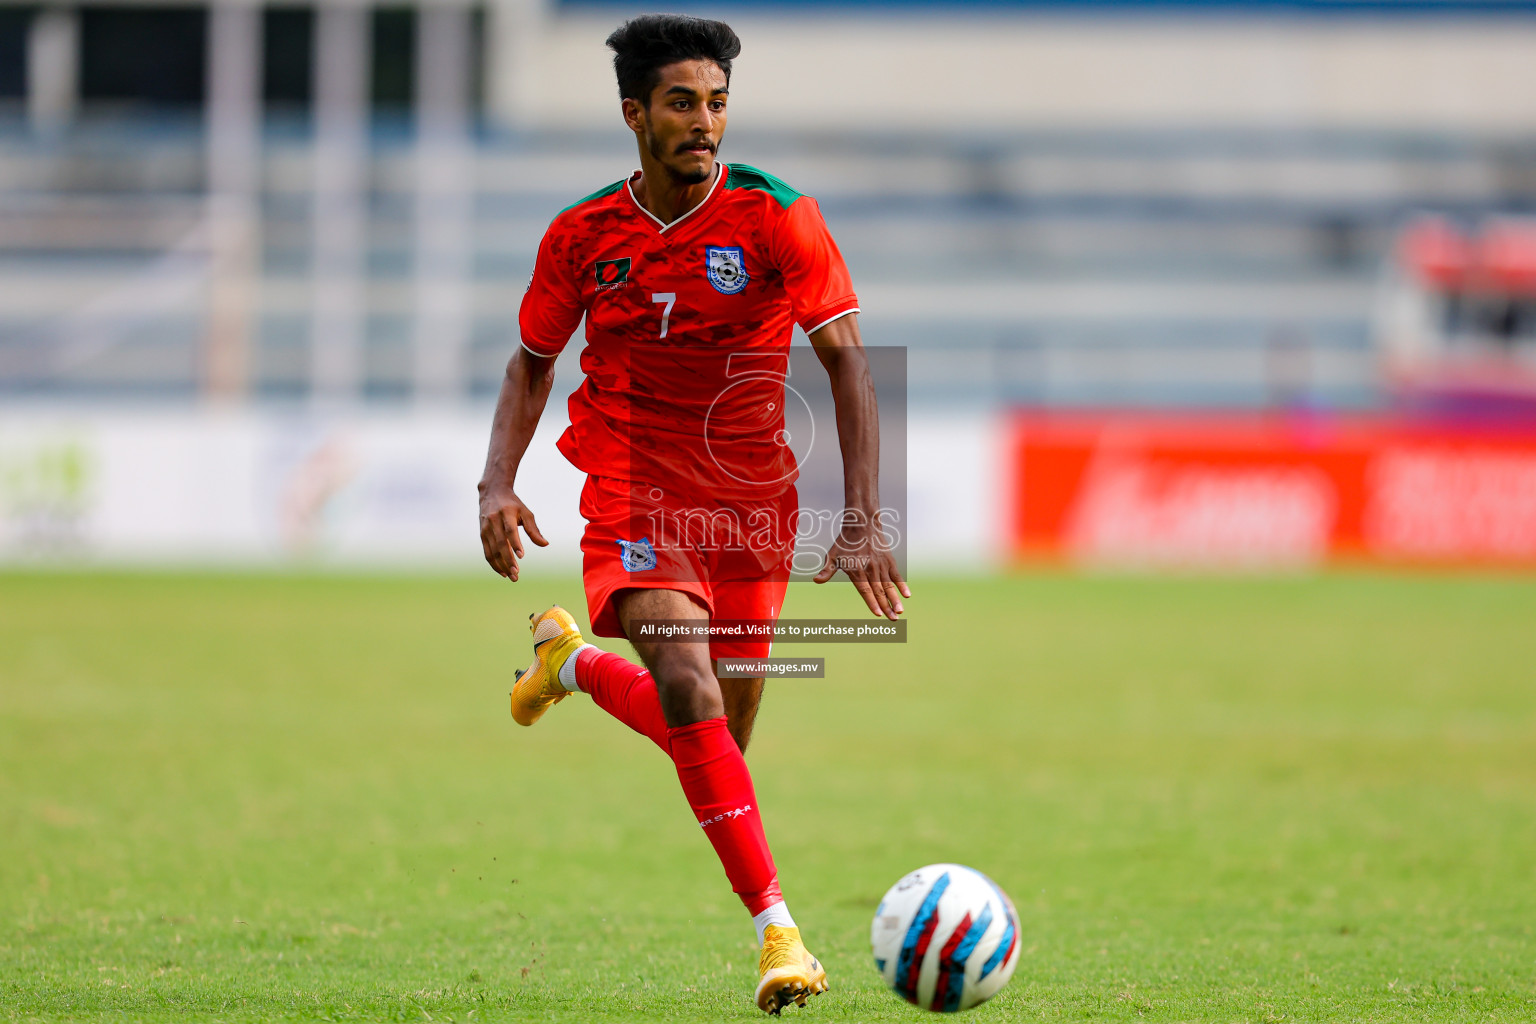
(945, 938)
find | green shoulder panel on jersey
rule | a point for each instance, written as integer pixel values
(749, 177)
(606, 190)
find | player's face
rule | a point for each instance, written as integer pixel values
(682, 125)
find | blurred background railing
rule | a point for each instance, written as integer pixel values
(330, 210)
(1194, 268)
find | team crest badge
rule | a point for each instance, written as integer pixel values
(638, 555)
(727, 270)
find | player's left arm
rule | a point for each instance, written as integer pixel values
(860, 550)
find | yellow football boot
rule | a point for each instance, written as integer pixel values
(789, 973)
(538, 688)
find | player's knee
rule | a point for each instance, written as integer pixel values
(689, 693)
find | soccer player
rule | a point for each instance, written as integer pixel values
(688, 272)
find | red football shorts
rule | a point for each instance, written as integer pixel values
(733, 557)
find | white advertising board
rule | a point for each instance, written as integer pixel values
(205, 487)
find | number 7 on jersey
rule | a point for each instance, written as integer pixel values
(666, 314)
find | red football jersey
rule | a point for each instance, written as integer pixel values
(688, 329)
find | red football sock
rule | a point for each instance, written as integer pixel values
(719, 789)
(624, 690)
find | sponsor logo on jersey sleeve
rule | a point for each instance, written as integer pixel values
(726, 267)
(611, 273)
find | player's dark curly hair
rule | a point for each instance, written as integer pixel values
(643, 46)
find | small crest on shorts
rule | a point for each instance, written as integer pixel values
(638, 554)
(727, 268)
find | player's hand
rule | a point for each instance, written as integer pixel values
(501, 515)
(861, 552)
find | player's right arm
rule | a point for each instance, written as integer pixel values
(524, 390)
(550, 311)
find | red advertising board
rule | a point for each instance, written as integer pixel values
(1281, 490)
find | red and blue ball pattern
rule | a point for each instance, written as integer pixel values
(945, 938)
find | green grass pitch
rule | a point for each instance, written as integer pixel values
(266, 796)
